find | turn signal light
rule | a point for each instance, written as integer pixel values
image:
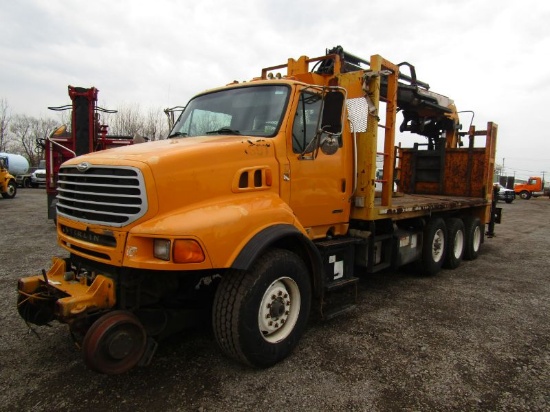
(187, 251)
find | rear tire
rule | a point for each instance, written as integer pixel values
(455, 243)
(433, 247)
(474, 237)
(259, 315)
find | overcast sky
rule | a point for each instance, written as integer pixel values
(489, 56)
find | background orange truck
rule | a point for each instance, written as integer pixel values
(534, 187)
(261, 206)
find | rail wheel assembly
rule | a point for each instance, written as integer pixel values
(115, 343)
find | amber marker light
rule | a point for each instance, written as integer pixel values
(187, 251)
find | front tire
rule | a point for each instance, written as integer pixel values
(259, 315)
(525, 195)
(11, 190)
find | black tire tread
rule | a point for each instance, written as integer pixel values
(224, 318)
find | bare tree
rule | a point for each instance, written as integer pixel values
(28, 132)
(130, 121)
(155, 125)
(127, 121)
(4, 124)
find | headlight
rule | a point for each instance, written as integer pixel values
(161, 249)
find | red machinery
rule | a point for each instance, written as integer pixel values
(87, 135)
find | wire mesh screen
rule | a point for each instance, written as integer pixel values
(358, 110)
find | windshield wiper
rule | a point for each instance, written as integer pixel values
(177, 134)
(224, 130)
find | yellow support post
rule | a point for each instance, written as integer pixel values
(389, 135)
(366, 147)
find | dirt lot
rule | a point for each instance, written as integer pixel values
(475, 338)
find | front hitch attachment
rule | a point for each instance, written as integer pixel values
(36, 300)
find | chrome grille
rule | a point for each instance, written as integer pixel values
(106, 195)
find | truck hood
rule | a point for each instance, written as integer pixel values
(151, 152)
(180, 172)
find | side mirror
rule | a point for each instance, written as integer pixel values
(332, 112)
(329, 144)
(331, 124)
(328, 129)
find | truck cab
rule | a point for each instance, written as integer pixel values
(38, 177)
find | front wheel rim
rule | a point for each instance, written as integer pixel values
(279, 310)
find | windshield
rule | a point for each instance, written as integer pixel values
(251, 111)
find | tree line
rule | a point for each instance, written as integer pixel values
(22, 134)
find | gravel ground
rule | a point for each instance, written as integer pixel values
(474, 338)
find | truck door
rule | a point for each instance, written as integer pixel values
(319, 176)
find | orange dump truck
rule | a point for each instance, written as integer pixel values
(260, 207)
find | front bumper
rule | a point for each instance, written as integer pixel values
(507, 196)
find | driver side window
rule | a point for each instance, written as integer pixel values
(306, 121)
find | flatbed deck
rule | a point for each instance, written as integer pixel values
(405, 206)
